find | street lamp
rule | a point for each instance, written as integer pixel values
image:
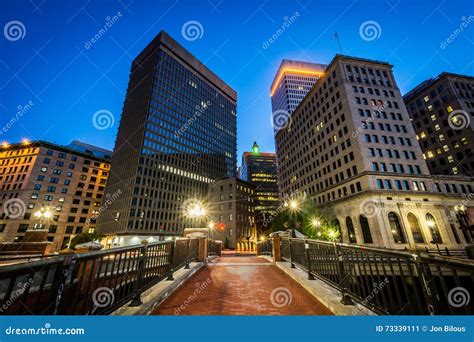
(431, 224)
(294, 206)
(42, 214)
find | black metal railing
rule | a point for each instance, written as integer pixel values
(92, 283)
(214, 248)
(387, 281)
(265, 247)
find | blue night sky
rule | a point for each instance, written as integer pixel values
(68, 83)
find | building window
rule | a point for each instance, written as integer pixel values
(350, 230)
(415, 228)
(396, 228)
(364, 225)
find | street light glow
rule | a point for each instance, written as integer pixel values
(197, 210)
(293, 205)
(315, 222)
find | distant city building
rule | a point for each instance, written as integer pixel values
(231, 213)
(177, 135)
(351, 145)
(66, 182)
(442, 110)
(260, 170)
(293, 80)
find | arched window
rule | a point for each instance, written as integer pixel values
(364, 226)
(350, 230)
(396, 228)
(415, 228)
(433, 226)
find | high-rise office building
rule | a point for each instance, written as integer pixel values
(293, 80)
(177, 134)
(442, 111)
(259, 169)
(351, 145)
(65, 183)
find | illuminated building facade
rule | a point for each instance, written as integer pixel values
(259, 169)
(351, 146)
(293, 80)
(442, 111)
(177, 135)
(231, 211)
(66, 182)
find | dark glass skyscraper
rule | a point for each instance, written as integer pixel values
(177, 134)
(259, 169)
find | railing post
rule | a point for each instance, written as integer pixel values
(308, 260)
(170, 277)
(428, 286)
(59, 283)
(343, 277)
(276, 249)
(137, 300)
(188, 249)
(291, 253)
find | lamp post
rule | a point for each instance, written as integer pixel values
(294, 206)
(40, 215)
(431, 224)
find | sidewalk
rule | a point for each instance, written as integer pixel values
(241, 286)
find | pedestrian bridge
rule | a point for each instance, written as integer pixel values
(192, 276)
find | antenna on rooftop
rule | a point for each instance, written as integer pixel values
(338, 41)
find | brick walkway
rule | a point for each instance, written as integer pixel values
(241, 286)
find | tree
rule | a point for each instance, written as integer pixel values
(84, 237)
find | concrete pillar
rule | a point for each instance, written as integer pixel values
(276, 249)
(202, 254)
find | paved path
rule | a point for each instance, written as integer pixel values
(241, 286)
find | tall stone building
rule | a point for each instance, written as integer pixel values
(350, 144)
(442, 111)
(259, 169)
(231, 211)
(66, 184)
(177, 134)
